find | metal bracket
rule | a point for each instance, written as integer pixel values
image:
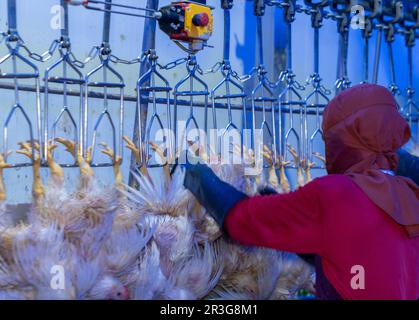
(226, 4)
(259, 7)
(316, 12)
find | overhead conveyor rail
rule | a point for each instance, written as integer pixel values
(287, 112)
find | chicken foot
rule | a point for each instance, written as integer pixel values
(307, 169)
(138, 156)
(38, 190)
(86, 170)
(159, 151)
(320, 157)
(285, 185)
(57, 173)
(297, 162)
(3, 165)
(117, 163)
(272, 176)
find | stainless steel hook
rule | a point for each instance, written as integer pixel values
(229, 88)
(146, 86)
(68, 63)
(119, 84)
(289, 99)
(319, 92)
(13, 43)
(190, 80)
(262, 95)
(105, 114)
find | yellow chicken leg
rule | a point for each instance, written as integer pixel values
(238, 151)
(272, 176)
(307, 169)
(138, 156)
(252, 161)
(300, 176)
(320, 157)
(86, 170)
(38, 190)
(3, 165)
(57, 173)
(199, 151)
(156, 148)
(285, 185)
(117, 164)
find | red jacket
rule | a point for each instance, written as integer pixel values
(332, 217)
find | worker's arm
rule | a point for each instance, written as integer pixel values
(289, 222)
(211, 192)
(408, 166)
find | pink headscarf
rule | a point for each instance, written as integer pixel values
(363, 130)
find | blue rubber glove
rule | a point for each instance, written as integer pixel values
(408, 166)
(266, 191)
(212, 193)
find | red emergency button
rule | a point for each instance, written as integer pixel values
(200, 19)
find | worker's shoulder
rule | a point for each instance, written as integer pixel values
(334, 183)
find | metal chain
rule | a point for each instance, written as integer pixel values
(94, 52)
(342, 83)
(315, 80)
(261, 72)
(148, 55)
(199, 69)
(33, 55)
(173, 64)
(214, 68)
(270, 83)
(50, 52)
(273, 3)
(56, 44)
(235, 75)
(394, 89)
(410, 92)
(75, 61)
(115, 59)
(309, 11)
(225, 66)
(289, 77)
(248, 76)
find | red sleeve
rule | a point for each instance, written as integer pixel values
(289, 222)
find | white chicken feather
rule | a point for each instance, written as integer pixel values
(154, 198)
(36, 252)
(150, 282)
(174, 237)
(123, 248)
(108, 288)
(201, 272)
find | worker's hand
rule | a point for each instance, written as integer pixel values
(213, 194)
(408, 166)
(267, 191)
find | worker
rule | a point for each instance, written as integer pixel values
(361, 220)
(408, 165)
